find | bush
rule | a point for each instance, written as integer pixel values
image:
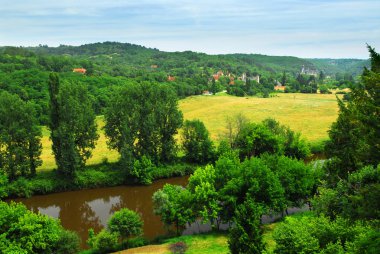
(105, 241)
(20, 188)
(68, 243)
(178, 248)
(125, 223)
(317, 235)
(142, 170)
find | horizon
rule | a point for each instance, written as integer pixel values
(300, 28)
(154, 48)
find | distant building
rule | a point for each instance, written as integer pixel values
(171, 78)
(154, 66)
(232, 81)
(244, 78)
(279, 88)
(80, 70)
(216, 77)
(206, 92)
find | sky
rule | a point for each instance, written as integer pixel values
(302, 28)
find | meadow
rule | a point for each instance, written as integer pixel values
(310, 114)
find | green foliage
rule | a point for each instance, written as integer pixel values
(173, 203)
(3, 185)
(205, 197)
(293, 145)
(105, 241)
(196, 142)
(20, 145)
(125, 223)
(354, 136)
(320, 235)
(72, 125)
(246, 235)
(68, 243)
(356, 198)
(142, 170)
(25, 232)
(141, 119)
(295, 176)
(255, 139)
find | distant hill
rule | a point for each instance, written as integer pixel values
(104, 66)
(333, 66)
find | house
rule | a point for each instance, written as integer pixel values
(154, 66)
(171, 78)
(80, 70)
(309, 71)
(280, 88)
(206, 92)
(232, 81)
(216, 77)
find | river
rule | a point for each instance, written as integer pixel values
(81, 210)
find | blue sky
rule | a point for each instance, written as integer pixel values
(320, 28)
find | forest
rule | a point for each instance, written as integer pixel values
(257, 169)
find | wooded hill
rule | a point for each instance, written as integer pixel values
(24, 71)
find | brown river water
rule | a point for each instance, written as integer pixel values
(81, 210)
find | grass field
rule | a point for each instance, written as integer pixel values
(310, 114)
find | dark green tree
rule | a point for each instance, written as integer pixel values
(255, 139)
(142, 119)
(355, 136)
(246, 235)
(20, 136)
(72, 125)
(196, 142)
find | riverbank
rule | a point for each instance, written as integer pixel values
(206, 243)
(94, 176)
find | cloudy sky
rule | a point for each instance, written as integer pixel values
(304, 28)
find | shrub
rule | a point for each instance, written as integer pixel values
(68, 243)
(178, 248)
(142, 170)
(125, 223)
(106, 241)
(20, 188)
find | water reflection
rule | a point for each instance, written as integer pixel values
(85, 209)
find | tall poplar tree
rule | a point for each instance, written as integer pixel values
(20, 136)
(72, 125)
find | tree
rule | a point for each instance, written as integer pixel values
(255, 139)
(72, 125)
(23, 231)
(283, 79)
(196, 142)
(20, 136)
(125, 223)
(142, 119)
(355, 136)
(295, 176)
(246, 235)
(174, 204)
(205, 197)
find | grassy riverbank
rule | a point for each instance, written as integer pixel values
(95, 176)
(208, 243)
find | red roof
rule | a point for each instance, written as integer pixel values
(80, 70)
(171, 78)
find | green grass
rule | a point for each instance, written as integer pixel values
(310, 114)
